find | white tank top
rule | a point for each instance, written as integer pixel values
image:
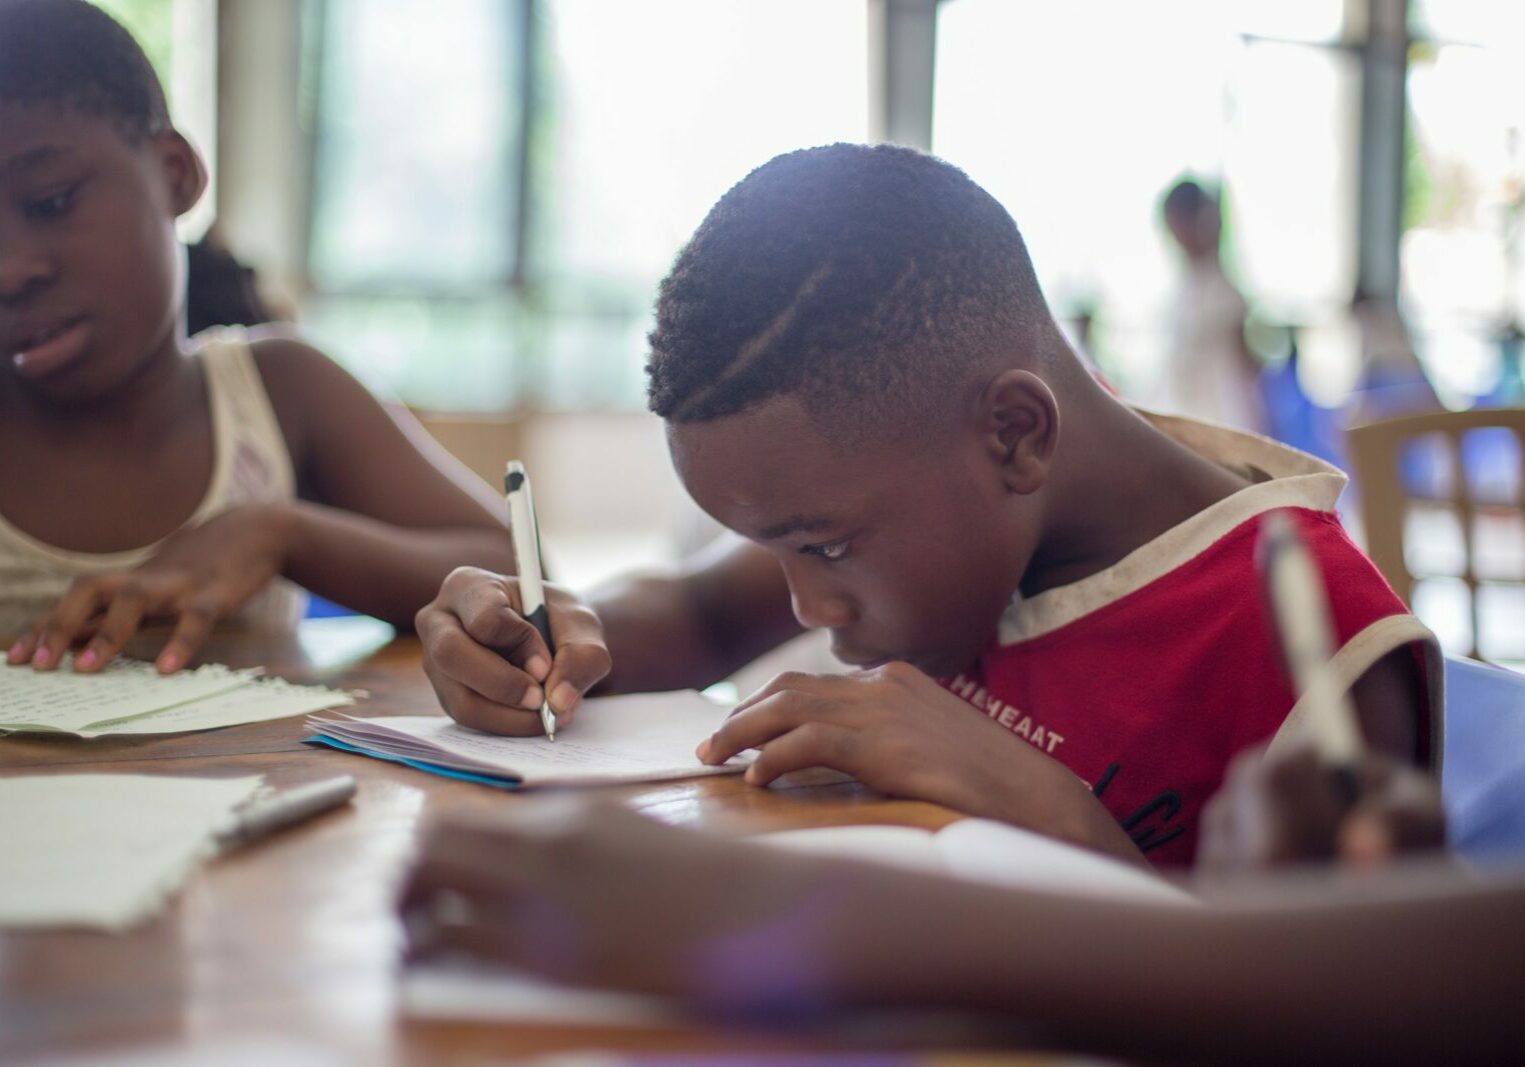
(250, 465)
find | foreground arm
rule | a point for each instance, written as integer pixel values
(1413, 969)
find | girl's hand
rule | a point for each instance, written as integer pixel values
(201, 574)
(489, 666)
(899, 732)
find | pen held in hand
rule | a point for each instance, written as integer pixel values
(1300, 607)
(526, 534)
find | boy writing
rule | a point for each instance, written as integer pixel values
(861, 378)
(143, 477)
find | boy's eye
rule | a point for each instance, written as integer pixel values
(54, 205)
(831, 551)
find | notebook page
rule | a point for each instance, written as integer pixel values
(105, 850)
(63, 700)
(642, 737)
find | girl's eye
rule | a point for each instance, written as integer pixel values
(831, 552)
(52, 207)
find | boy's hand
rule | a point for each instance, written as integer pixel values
(1274, 811)
(593, 893)
(200, 575)
(490, 668)
(899, 732)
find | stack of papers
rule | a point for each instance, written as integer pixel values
(131, 697)
(649, 737)
(106, 850)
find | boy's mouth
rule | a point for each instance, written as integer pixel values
(45, 349)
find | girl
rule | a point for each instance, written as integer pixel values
(145, 478)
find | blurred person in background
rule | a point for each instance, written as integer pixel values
(1211, 373)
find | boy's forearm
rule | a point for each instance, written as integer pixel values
(374, 567)
(660, 638)
(695, 625)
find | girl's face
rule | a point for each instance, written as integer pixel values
(90, 276)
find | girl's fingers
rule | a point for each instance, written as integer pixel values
(192, 628)
(124, 613)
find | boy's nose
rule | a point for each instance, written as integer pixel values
(818, 608)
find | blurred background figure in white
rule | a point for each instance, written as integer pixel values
(1210, 372)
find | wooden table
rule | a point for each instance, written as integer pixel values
(296, 936)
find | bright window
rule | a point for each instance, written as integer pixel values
(641, 116)
(1078, 117)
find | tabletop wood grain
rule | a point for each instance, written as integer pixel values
(296, 936)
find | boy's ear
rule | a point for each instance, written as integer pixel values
(184, 171)
(1019, 422)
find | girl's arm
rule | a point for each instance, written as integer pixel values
(385, 513)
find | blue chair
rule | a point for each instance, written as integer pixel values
(1483, 778)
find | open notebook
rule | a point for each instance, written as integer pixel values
(131, 697)
(975, 850)
(646, 737)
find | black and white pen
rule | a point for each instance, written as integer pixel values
(526, 533)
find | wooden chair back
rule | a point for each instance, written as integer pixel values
(1391, 485)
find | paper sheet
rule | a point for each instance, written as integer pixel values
(64, 700)
(131, 697)
(644, 737)
(105, 850)
(259, 701)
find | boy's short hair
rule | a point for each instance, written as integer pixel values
(865, 281)
(71, 54)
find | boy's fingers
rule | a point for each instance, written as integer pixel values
(452, 653)
(192, 628)
(799, 682)
(762, 722)
(471, 709)
(815, 744)
(488, 609)
(579, 666)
